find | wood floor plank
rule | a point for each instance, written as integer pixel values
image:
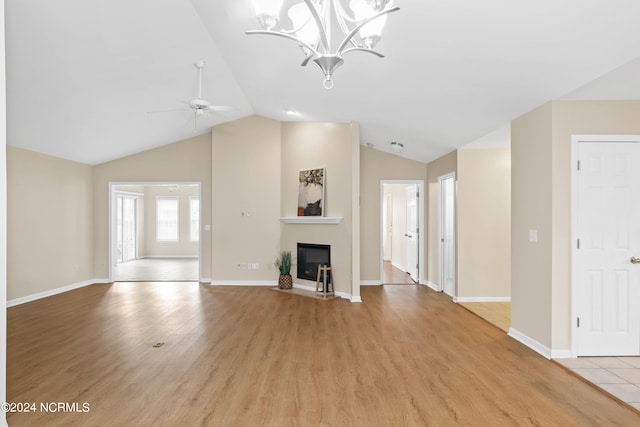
(250, 356)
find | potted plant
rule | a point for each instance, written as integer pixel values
(283, 262)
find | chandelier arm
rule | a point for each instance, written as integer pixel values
(286, 36)
(306, 60)
(321, 29)
(362, 49)
(362, 24)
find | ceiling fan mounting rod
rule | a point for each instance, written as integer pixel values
(199, 65)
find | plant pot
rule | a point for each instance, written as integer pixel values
(285, 281)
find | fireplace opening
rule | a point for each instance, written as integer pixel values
(310, 256)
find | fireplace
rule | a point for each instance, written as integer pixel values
(310, 256)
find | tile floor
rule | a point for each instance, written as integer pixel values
(620, 376)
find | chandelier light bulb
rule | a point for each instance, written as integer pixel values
(267, 12)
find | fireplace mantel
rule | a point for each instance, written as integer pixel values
(311, 219)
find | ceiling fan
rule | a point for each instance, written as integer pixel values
(199, 106)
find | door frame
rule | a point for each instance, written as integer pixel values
(136, 198)
(408, 265)
(387, 213)
(112, 218)
(441, 223)
(421, 223)
(575, 141)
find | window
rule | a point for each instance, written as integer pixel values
(167, 219)
(194, 219)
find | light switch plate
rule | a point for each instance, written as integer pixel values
(533, 236)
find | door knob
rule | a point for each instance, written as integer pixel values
(635, 260)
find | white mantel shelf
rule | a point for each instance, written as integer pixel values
(311, 219)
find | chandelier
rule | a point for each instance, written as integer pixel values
(311, 22)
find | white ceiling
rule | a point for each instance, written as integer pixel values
(83, 75)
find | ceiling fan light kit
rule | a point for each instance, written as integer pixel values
(312, 22)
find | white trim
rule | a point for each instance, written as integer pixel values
(206, 280)
(482, 299)
(51, 292)
(243, 283)
(355, 298)
(441, 179)
(530, 342)
(575, 140)
(311, 219)
(168, 256)
(370, 282)
(399, 267)
(561, 354)
(129, 193)
(433, 286)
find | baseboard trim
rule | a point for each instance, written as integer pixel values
(206, 280)
(355, 298)
(51, 292)
(168, 257)
(534, 345)
(561, 354)
(483, 299)
(370, 283)
(432, 286)
(243, 283)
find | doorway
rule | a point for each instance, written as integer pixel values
(606, 267)
(401, 236)
(154, 232)
(447, 226)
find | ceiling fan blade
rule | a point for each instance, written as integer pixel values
(221, 108)
(167, 111)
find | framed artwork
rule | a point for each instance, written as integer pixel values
(311, 193)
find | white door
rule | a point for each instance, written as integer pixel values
(126, 228)
(412, 234)
(608, 231)
(447, 234)
(387, 233)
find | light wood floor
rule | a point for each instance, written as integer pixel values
(243, 356)
(157, 270)
(497, 313)
(392, 275)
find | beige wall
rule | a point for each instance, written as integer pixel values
(442, 166)
(184, 161)
(246, 199)
(531, 210)
(50, 217)
(483, 223)
(184, 247)
(541, 195)
(377, 166)
(312, 146)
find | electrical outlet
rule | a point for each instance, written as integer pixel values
(253, 266)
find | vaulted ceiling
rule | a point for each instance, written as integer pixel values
(86, 80)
